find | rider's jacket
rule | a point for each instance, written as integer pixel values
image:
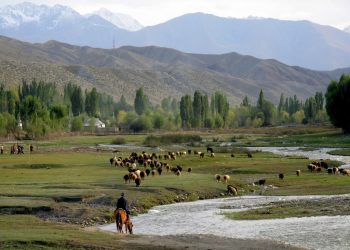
(123, 203)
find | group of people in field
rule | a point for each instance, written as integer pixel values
(16, 149)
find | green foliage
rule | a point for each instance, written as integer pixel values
(158, 121)
(77, 123)
(119, 141)
(122, 105)
(186, 111)
(338, 103)
(91, 102)
(143, 123)
(7, 124)
(153, 140)
(141, 102)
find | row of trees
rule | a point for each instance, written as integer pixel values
(43, 109)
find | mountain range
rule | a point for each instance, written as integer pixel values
(162, 72)
(299, 43)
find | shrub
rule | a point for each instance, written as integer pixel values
(153, 140)
(77, 124)
(119, 140)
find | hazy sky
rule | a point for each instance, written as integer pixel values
(150, 12)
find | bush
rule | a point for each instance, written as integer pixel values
(153, 140)
(142, 124)
(77, 124)
(119, 140)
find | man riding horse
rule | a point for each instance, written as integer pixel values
(123, 203)
(122, 215)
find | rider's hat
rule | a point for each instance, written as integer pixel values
(122, 194)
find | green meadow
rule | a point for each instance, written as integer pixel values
(51, 198)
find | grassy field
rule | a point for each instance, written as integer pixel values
(299, 208)
(67, 184)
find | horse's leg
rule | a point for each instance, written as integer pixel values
(119, 223)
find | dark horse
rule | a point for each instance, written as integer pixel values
(122, 219)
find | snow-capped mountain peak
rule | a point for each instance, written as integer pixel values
(347, 29)
(15, 15)
(120, 20)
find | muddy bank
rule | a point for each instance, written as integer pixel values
(202, 242)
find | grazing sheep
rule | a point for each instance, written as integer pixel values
(281, 176)
(212, 155)
(138, 172)
(323, 165)
(167, 167)
(330, 170)
(159, 170)
(249, 155)
(178, 172)
(189, 151)
(232, 155)
(310, 167)
(111, 161)
(232, 190)
(298, 172)
(179, 168)
(154, 172)
(217, 177)
(132, 176)
(189, 170)
(143, 175)
(345, 171)
(210, 150)
(201, 155)
(226, 178)
(174, 169)
(148, 172)
(137, 182)
(335, 170)
(126, 178)
(314, 168)
(260, 182)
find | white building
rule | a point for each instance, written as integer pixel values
(97, 124)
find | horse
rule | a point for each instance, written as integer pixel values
(122, 219)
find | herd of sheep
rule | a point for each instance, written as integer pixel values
(140, 166)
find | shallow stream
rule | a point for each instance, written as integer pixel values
(206, 217)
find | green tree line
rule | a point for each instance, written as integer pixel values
(43, 109)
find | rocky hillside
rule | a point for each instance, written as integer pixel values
(162, 72)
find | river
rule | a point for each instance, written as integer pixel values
(205, 217)
(315, 154)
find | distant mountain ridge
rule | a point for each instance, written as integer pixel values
(162, 72)
(299, 43)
